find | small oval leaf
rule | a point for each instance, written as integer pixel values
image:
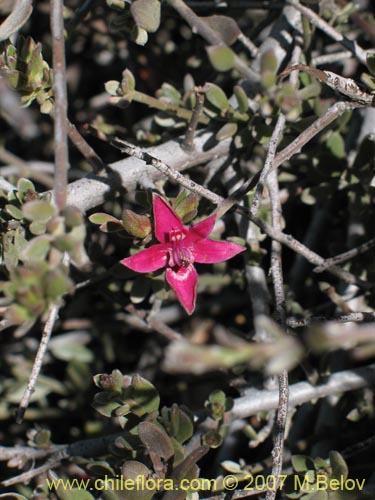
(221, 57)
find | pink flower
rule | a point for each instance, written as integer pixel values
(178, 248)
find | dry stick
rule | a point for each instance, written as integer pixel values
(270, 159)
(199, 25)
(216, 199)
(278, 286)
(317, 126)
(351, 45)
(60, 182)
(350, 254)
(255, 400)
(46, 335)
(61, 103)
(188, 143)
(87, 151)
(330, 58)
(354, 317)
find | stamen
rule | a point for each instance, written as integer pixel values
(179, 254)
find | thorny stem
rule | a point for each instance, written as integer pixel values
(46, 335)
(61, 104)
(351, 45)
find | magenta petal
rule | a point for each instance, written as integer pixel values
(208, 251)
(165, 220)
(202, 229)
(184, 283)
(148, 260)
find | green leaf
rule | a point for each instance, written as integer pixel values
(146, 14)
(112, 87)
(127, 82)
(186, 206)
(140, 37)
(15, 496)
(14, 212)
(73, 216)
(335, 143)
(226, 26)
(38, 210)
(134, 470)
(221, 57)
(242, 99)
(102, 218)
(57, 283)
(155, 439)
(143, 397)
(216, 96)
(302, 463)
(74, 494)
(135, 224)
(226, 131)
(71, 346)
(338, 464)
(36, 249)
(181, 423)
(37, 228)
(170, 94)
(24, 185)
(316, 495)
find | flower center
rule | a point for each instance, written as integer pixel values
(179, 253)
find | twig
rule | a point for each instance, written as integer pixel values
(61, 103)
(24, 169)
(22, 454)
(272, 146)
(19, 118)
(85, 448)
(87, 151)
(343, 257)
(246, 42)
(256, 401)
(46, 335)
(211, 36)
(355, 317)
(330, 58)
(315, 19)
(315, 128)
(273, 233)
(236, 4)
(25, 477)
(188, 143)
(280, 313)
(345, 86)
